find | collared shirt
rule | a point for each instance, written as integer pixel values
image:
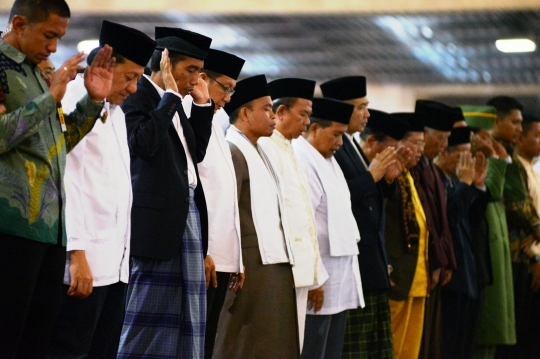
(218, 178)
(298, 210)
(33, 150)
(192, 175)
(99, 195)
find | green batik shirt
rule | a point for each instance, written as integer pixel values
(33, 150)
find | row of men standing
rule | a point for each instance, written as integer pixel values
(279, 220)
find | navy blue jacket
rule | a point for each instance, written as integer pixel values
(367, 200)
(159, 170)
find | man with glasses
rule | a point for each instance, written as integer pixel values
(223, 263)
(439, 120)
(166, 293)
(407, 246)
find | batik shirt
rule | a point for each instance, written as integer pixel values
(33, 150)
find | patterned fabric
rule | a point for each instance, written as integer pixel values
(412, 230)
(166, 302)
(33, 150)
(369, 331)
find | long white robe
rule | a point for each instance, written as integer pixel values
(218, 178)
(331, 203)
(98, 194)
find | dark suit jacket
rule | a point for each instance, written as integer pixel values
(460, 200)
(159, 170)
(367, 200)
(402, 258)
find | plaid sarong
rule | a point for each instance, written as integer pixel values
(166, 302)
(368, 334)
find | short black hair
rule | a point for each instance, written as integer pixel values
(156, 59)
(90, 58)
(319, 121)
(288, 102)
(528, 120)
(236, 113)
(212, 74)
(505, 105)
(36, 11)
(379, 136)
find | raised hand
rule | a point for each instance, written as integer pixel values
(98, 77)
(478, 144)
(402, 158)
(480, 169)
(381, 162)
(64, 75)
(200, 92)
(465, 168)
(499, 150)
(166, 72)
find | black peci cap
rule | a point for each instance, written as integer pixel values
(387, 124)
(415, 123)
(292, 87)
(247, 90)
(183, 42)
(345, 88)
(437, 115)
(132, 44)
(223, 63)
(332, 110)
(459, 136)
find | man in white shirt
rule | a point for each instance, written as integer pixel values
(337, 232)
(166, 304)
(259, 320)
(98, 210)
(224, 260)
(292, 106)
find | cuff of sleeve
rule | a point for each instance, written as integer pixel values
(174, 93)
(483, 188)
(508, 160)
(204, 104)
(89, 107)
(75, 244)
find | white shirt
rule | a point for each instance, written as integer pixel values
(98, 194)
(298, 210)
(192, 176)
(353, 139)
(343, 289)
(218, 178)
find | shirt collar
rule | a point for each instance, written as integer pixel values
(280, 137)
(11, 52)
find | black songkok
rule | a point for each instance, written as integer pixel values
(132, 44)
(385, 123)
(459, 136)
(415, 123)
(247, 90)
(345, 88)
(223, 63)
(292, 87)
(183, 42)
(332, 110)
(437, 115)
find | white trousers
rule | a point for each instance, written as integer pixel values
(301, 305)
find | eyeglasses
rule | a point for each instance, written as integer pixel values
(418, 144)
(226, 89)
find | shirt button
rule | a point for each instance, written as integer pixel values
(187, 199)
(186, 172)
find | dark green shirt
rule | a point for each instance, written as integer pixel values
(33, 150)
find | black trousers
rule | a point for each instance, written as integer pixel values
(31, 275)
(324, 336)
(215, 297)
(90, 327)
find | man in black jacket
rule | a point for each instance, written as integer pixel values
(368, 333)
(166, 304)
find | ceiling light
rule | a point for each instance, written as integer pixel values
(515, 45)
(87, 45)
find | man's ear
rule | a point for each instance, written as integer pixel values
(18, 24)
(205, 77)
(280, 111)
(244, 113)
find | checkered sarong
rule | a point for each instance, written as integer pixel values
(369, 330)
(166, 302)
